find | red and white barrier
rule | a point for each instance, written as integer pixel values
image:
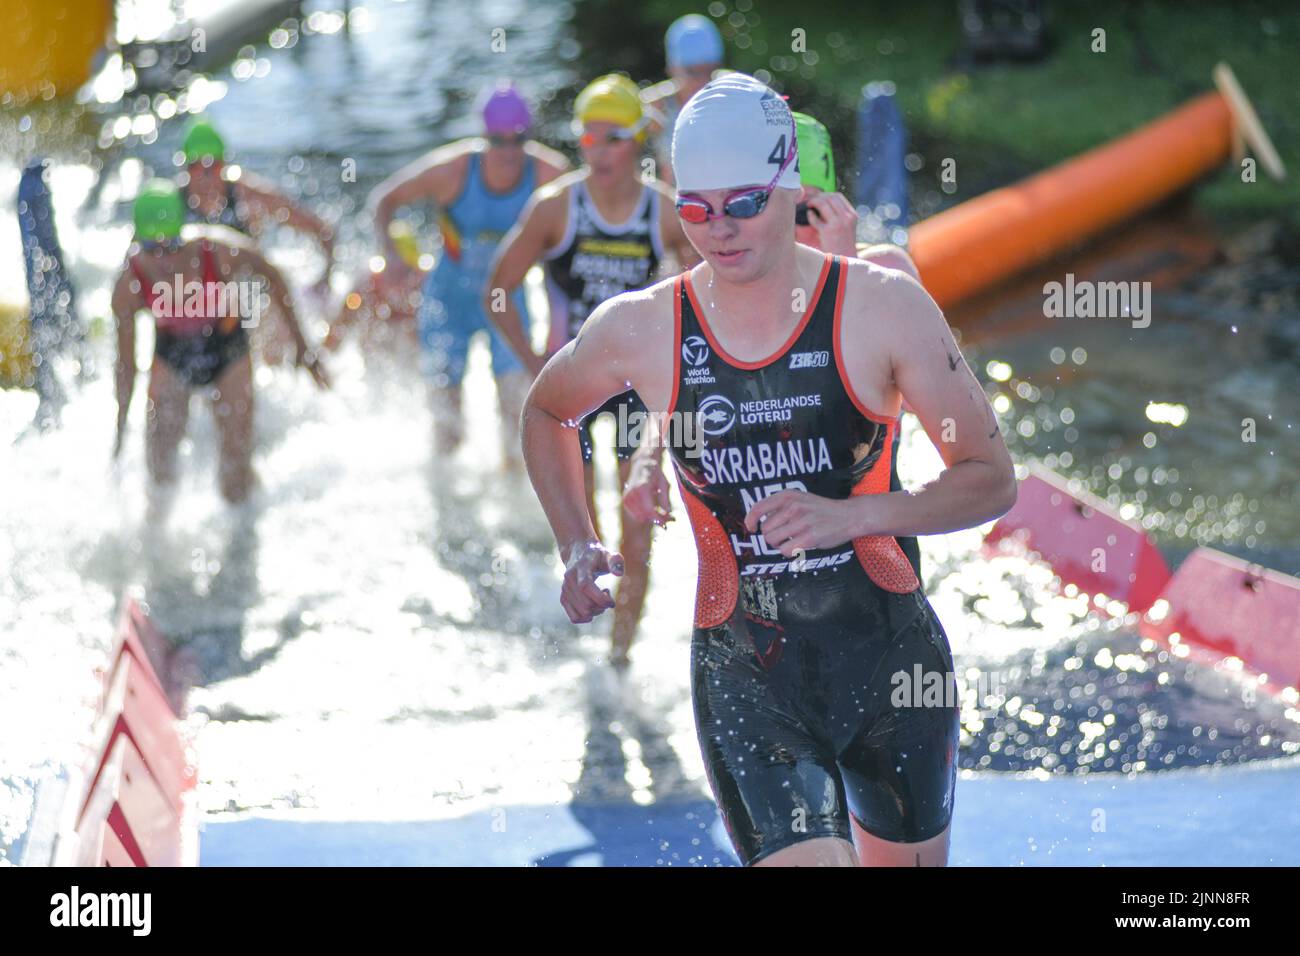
(127, 808)
(1220, 607)
(1215, 610)
(132, 803)
(135, 709)
(1084, 540)
(137, 638)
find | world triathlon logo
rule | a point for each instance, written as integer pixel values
(695, 351)
(716, 415)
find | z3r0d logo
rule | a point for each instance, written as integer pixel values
(810, 359)
(695, 351)
(716, 414)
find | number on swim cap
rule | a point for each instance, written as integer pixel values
(731, 133)
(816, 162)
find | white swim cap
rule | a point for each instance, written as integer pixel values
(734, 132)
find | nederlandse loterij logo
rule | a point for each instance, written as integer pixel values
(717, 414)
(102, 909)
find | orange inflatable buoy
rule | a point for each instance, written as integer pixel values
(975, 245)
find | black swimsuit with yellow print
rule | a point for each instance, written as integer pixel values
(595, 261)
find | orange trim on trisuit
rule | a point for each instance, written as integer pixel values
(677, 345)
(717, 583)
(881, 556)
(803, 322)
(717, 577)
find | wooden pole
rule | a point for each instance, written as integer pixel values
(1247, 120)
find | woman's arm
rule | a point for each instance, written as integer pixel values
(895, 341)
(124, 303)
(244, 258)
(925, 365)
(594, 367)
(266, 202)
(435, 177)
(551, 164)
(522, 247)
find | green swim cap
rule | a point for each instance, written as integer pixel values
(159, 211)
(202, 141)
(816, 164)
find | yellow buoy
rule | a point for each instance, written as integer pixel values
(403, 236)
(47, 47)
(16, 369)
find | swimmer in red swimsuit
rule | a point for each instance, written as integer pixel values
(202, 293)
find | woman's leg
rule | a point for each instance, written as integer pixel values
(233, 407)
(630, 600)
(900, 771)
(513, 381)
(445, 323)
(873, 851)
(448, 427)
(819, 851)
(511, 388)
(166, 416)
(776, 783)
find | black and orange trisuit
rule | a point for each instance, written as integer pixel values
(823, 686)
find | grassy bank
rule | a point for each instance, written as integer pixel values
(998, 121)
